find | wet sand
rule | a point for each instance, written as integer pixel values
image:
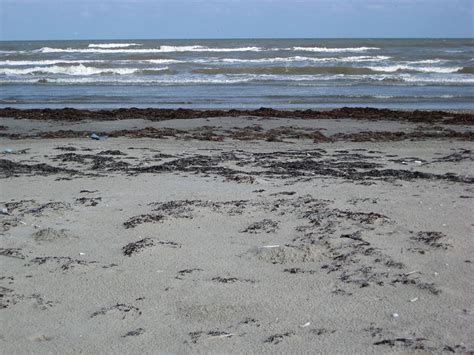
(236, 232)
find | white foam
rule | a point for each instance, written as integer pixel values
(427, 61)
(46, 62)
(395, 68)
(297, 80)
(207, 49)
(142, 81)
(112, 45)
(383, 96)
(74, 70)
(334, 50)
(64, 61)
(295, 59)
(458, 79)
(162, 49)
(161, 61)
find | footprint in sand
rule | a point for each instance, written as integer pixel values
(51, 235)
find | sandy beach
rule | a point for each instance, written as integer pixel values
(344, 231)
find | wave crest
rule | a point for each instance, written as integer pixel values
(162, 49)
(79, 70)
(396, 68)
(334, 50)
(112, 45)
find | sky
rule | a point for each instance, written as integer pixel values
(166, 19)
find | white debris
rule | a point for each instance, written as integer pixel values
(270, 246)
(228, 335)
(395, 315)
(414, 299)
(305, 325)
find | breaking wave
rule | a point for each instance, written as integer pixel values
(46, 62)
(80, 70)
(162, 49)
(296, 59)
(334, 50)
(112, 45)
(396, 68)
(286, 70)
(222, 79)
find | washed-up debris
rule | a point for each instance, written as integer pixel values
(10, 168)
(266, 225)
(135, 247)
(322, 331)
(230, 280)
(431, 239)
(416, 342)
(134, 333)
(278, 338)
(13, 151)
(406, 280)
(241, 179)
(123, 309)
(144, 218)
(219, 335)
(225, 279)
(355, 236)
(66, 263)
(89, 201)
(111, 152)
(12, 253)
(156, 114)
(297, 270)
(181, 273)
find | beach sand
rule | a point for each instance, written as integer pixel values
(236, 234)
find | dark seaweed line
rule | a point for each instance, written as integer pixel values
(70, 114)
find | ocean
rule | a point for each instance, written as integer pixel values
(244, 73)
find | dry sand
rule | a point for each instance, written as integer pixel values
(184, 245)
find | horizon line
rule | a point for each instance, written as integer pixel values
(234, 38)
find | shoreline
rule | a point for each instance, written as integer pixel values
(364, 113)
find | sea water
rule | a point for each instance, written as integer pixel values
(244, 73)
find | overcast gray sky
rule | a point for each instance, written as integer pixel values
(148, 19)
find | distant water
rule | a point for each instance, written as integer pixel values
(291, 74)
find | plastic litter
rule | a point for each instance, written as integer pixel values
(414, 299)
(8, 150)
(395, 315)
(95, 137)
(305, 325)
(5, 211)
